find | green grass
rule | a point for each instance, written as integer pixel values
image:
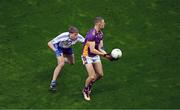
(147, 31)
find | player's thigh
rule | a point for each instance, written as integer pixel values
(98, 68)
(90, 70)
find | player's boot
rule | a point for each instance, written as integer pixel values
(53, 86)
(86, 94)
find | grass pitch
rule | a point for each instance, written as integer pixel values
(147, 31)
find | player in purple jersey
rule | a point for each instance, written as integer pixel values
(92, 50)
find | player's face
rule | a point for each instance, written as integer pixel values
(73, 36)
(102, 24)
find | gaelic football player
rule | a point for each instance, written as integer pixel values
(92, 50)
(61, 45)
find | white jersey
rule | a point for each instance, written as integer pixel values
(63, 40)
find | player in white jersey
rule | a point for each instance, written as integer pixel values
(61, 45)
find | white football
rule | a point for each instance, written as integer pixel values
(116, 53)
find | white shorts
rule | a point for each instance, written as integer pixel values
(88, 60)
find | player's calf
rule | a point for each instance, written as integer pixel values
(99, 76)
(60, 64)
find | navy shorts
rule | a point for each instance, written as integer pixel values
(60, 51)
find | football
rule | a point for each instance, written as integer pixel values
(116, 53)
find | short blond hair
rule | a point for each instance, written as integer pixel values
(98, 19)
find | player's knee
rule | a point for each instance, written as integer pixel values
(92, 77)
(61, 64)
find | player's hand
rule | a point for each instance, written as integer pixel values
(109, 57)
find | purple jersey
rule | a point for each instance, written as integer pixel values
(92, 36)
